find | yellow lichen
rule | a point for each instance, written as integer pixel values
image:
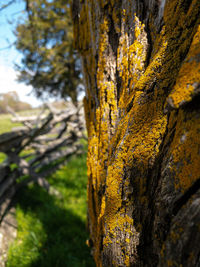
(185, 151)
(189, 75)
(126, 125)
(131, 60)
(170, 263)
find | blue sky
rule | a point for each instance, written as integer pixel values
(10, 56)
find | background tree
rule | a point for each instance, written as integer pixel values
(142, 74)
(11, 99)
(44, 38)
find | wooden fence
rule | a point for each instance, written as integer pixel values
(38, 148)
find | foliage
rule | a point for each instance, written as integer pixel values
(51, 229)
(45, 39)
(6, 4)
(11, 99)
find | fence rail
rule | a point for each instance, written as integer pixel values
(38, 148)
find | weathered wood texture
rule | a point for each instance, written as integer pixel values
(50, 139)
(141, 64)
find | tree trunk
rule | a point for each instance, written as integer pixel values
(141, 64)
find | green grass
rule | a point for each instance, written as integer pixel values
(2, 157)
(6, 124)
(52, 230)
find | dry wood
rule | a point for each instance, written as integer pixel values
(52, 139)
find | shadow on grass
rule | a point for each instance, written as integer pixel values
(65, 233)
(52, 230)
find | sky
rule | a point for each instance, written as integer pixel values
(10, 56)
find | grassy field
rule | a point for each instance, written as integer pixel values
(52, 229)
(6, 124)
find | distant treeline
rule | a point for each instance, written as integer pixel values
(12, 100)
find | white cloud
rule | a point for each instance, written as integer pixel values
(8, 83)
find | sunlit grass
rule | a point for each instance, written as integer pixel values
(6, 124)
(2, 157)
(52, 229)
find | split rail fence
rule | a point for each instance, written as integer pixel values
(38, 148)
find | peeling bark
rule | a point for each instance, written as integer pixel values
(141, 64)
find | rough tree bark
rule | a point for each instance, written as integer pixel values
(141, 64)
